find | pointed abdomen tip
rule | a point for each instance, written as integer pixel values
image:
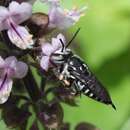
(113, 106)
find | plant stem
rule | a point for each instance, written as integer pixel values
(32, 87)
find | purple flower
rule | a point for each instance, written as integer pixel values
(49, 49)
(62, 18)
(11, 17)
(10, 68)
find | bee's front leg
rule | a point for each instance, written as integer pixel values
(75, 89)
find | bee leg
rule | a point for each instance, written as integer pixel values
(76, 89)
(77, 93)
(67, 83)
(74, 92)
(80, 93)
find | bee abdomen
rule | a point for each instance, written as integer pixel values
(96, 91)
(85, 89)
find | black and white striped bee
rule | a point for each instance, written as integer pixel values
(74, 73)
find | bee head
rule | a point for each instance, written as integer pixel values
(62, 55)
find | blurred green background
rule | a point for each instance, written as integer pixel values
(104, 42)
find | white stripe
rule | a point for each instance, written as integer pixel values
(87, 90)
(91, 95)
(81, 86)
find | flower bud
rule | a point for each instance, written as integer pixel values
(52, 115)
(14, 116)
(65, 95)
(38, 23)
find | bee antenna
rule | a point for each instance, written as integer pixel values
(76, 33)
(63, 46)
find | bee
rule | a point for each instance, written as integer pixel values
(74, 73)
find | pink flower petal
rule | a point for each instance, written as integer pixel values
(61, 36)
(59, 19)
(8, 66)
(5, 89)
(4, 13)
(20, 37)
(2, 62)
(10, 61)
(21, 70)
(44, 63)
(47, 49)
(56, 43)
(20, 12)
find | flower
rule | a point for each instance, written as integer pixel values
(10, 68)
(49, 49)
(11, 17)
(61, 18)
